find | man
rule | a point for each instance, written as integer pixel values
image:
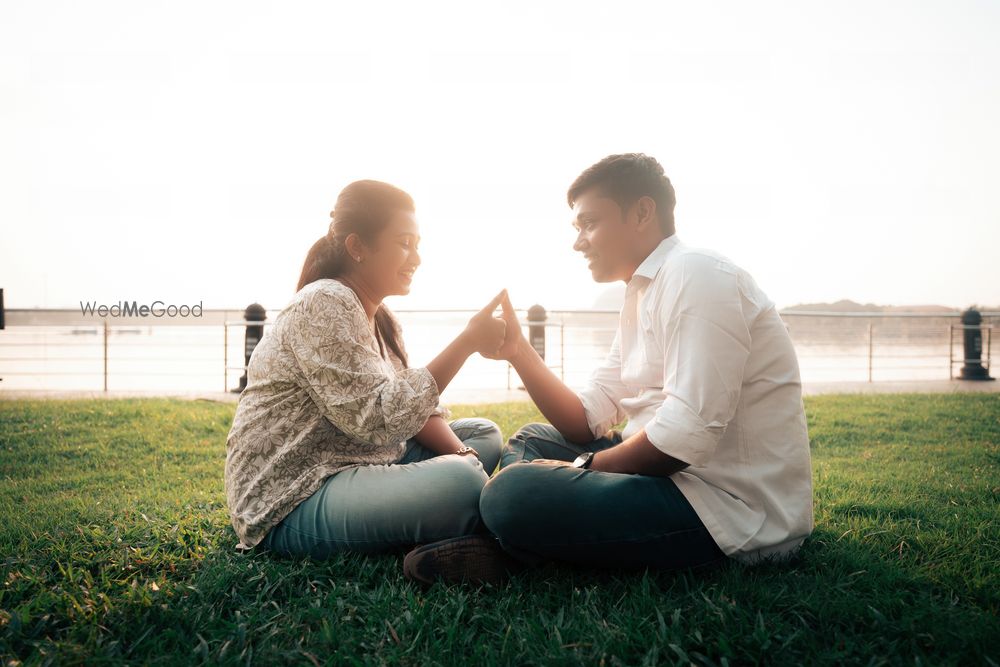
(713, 463)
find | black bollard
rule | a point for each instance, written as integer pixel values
(536, 329)
(972, 340)
(254, 313)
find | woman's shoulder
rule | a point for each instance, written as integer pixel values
(324, 294)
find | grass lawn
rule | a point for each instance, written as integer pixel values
(116, 548)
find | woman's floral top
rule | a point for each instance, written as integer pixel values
(319, 398)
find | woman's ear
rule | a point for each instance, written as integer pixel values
(355, 247)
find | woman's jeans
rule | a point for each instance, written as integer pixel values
(423, 498)
(547, 512)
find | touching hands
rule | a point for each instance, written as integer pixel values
(496, 337)
(513, 336)
(484, 332)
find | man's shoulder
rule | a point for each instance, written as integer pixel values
(694, 265)
(698, 258)
(698, 272)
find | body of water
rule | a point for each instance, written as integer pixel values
(40, 355)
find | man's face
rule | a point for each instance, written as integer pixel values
(602, 236)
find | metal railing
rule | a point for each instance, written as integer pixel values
(54, 349)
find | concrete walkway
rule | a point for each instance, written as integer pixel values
(478, 396)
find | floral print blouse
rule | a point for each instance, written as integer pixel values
(320, 398)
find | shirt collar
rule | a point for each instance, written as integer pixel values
(654, 260)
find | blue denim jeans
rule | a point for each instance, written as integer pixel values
(423, 498)
(545, 512)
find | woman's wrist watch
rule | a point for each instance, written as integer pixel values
(467, 450)
(584, 460)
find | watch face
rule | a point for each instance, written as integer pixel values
(583, 460)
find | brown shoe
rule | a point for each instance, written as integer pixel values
(474, 559)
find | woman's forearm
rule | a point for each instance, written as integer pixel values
(437, 436)
(446, 365)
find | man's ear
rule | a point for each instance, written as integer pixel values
(645, 212)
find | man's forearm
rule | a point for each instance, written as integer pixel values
(560, 404)
(637, 455)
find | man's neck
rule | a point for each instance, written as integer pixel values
(643, 251)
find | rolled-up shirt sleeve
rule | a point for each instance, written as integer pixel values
(602, 396)
(331, 344)
(706, 343)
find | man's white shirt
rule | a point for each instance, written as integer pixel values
(703, 362)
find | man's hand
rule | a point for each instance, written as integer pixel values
(513, 337)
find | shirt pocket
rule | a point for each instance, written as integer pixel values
(649, 351)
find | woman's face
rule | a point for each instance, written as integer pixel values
(393, 258)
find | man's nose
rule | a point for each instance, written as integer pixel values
(580, 244)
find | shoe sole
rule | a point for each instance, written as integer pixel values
(471, 559)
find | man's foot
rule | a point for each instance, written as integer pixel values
(474, 559)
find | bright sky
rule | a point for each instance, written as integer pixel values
(192, 151)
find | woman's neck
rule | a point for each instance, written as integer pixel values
(369, 300)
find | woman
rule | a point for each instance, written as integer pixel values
(336, 443)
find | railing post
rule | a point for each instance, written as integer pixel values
(225, 354)
(972, 346)
(253, 314)
(105, 356)
(536, 329)
(869, 351)
(951, 351)
(562, 350)
(989, 346)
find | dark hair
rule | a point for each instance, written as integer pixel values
(363, 208)
(625, 178)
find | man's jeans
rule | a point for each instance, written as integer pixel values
(423, 498)
(547, 512)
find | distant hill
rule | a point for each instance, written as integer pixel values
(613, 297)
(848, 306)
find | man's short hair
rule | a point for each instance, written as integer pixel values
(625, 178)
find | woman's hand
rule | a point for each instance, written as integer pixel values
(514, 339)
(485, 333)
